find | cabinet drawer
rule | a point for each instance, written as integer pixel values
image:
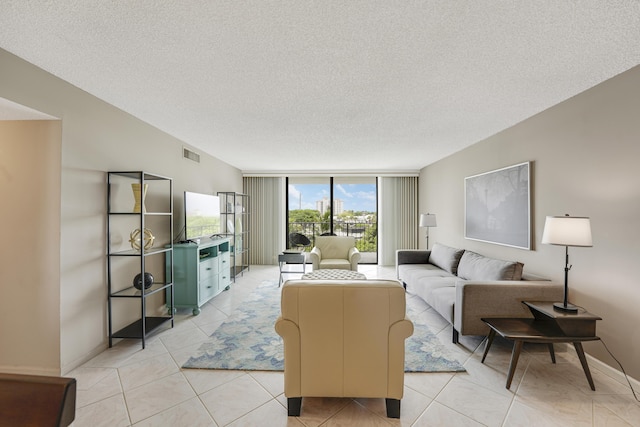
(208, 268)
(224, 279)
(207, 289)
(225, 261)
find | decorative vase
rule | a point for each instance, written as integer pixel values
(137, 237)
(139, 197)
(148, 281)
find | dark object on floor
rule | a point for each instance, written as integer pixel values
(33, 400)
(296, 240)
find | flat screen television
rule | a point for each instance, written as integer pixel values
(201, 215)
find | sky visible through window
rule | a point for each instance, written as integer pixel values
(355, 197)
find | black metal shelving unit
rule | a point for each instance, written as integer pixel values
(158, 257)
(235, 212)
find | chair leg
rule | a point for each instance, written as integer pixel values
(393, 408)
(294, 404)
(455, 336)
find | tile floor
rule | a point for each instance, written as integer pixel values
(128, 386)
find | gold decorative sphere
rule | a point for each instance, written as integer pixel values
(147, 236)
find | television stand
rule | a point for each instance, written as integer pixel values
(200, 272)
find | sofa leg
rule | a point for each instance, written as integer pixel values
(393, 408)
(294, 404)
(455, 336)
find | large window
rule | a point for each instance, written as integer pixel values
(342, 206)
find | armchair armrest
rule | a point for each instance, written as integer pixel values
(290, 334)
(354, 258)
(316, 256)
(478, 299)
(411, 256)
(398, 333)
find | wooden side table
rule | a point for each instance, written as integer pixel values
(547, 326)
(291, 258)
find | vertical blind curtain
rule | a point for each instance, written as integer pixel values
(398, 220)
(266, 222)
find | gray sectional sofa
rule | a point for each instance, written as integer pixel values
(464, 286)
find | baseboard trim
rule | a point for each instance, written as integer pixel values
(613, 373)
(84, 359)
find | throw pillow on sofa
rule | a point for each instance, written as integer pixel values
(445, 257)
(474, 266)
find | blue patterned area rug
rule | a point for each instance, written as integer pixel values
(248, 341)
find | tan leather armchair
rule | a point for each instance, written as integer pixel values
(335, 252)
(343, 339)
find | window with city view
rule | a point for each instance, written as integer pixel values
(342, 206)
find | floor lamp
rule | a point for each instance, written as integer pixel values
(567, 231)
(427, 220)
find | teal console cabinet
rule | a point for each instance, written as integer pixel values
(200, 272)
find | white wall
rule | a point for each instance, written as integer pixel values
(585, 153)
(96, 137)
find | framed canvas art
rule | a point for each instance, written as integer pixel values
(498, 206)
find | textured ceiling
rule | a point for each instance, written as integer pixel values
(327, 85)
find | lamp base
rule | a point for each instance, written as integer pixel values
(569, 308)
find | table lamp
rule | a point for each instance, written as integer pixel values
(427, 220)
(567, 231)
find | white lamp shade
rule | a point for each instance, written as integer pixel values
(427, 220)
(567, 231)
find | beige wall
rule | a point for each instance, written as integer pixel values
(95, 137)
(30, 255)
(585, 153)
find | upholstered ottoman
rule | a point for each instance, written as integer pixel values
(333, 274)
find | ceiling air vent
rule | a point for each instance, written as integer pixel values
(191, 155)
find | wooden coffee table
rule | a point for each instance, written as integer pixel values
(547, 326)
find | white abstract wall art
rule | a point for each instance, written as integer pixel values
(498, 206)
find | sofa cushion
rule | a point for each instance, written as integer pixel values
(335, 264)
(445, 257)
(474, 266)
(425, 287)
(414, 272)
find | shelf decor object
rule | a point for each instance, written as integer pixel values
(428, 220)
(139, 197)
(131, 302)
(135, 239)
(148, 281)
(567, 231)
